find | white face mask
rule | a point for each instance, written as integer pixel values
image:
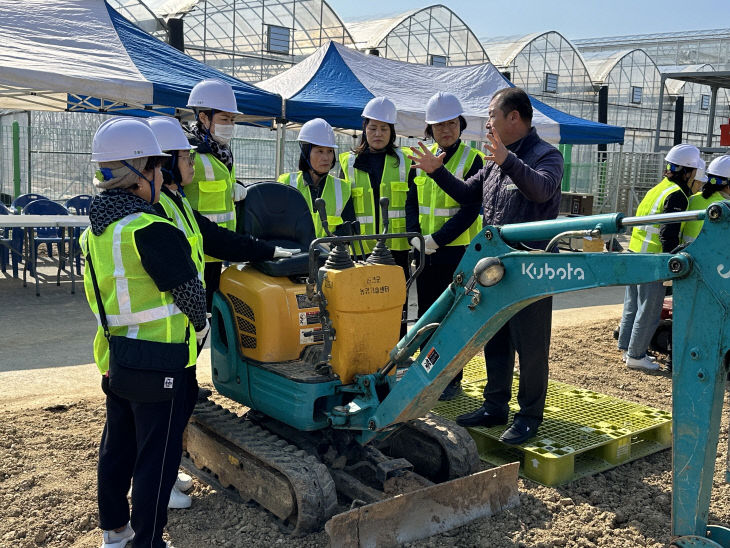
(223, 133)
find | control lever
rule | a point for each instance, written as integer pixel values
(321, 207)
(384, 202)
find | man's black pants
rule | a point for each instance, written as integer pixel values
(142, 441)
(527, 333)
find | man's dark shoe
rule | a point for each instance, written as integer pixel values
(452, 390)
(519, 432)
(481, 417)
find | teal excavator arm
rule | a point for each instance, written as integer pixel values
(494, 281)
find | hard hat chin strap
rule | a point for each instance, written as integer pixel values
(152, 183)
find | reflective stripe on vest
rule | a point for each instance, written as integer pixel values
(211, 192)
(435, 207)
(393, 185)
(186, 222)
(335, 194)
(645, 239)
(133, 305)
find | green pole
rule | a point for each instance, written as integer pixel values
(16, 159)
(567, 151)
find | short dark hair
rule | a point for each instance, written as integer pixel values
(512, 98)
(428, 132)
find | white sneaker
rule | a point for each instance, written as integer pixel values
(112, 539)
(642, 363)
(179, 500)
(625, 354)
(183, 482)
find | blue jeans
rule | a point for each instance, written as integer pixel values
(642, 311)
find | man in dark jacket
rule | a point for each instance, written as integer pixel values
(520, 182)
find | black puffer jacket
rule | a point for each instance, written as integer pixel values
(526, 187)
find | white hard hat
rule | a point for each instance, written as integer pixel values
(169, 133)
(213, 93)
(124, 138)
(720, 167)
(317, 132)
(684, 155)
(701, 175)
(441, 107)
(381, 109)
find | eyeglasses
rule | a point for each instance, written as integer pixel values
(190, 157)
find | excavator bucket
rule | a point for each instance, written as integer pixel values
(426, 512)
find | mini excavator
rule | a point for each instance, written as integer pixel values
(339, 409)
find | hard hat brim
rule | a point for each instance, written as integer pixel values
(439, 120)
(110, 157)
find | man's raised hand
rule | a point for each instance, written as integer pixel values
(424, 159)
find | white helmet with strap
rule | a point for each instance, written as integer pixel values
(169, 133)
(719, 167)
(381, 109)
(442, 107)
(317, 132)
(684, 155)
(124, 138)
(213, 93)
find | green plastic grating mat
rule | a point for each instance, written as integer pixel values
(583, 432)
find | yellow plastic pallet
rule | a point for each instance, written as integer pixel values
(583, 432)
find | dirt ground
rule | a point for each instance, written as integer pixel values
(48, 477)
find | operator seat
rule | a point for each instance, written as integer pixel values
(280, 215)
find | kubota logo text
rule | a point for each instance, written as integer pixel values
(546, 271)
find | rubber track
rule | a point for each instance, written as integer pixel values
(309, 480)
(459, 447)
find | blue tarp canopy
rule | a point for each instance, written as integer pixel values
(336, 82)
(82, 55)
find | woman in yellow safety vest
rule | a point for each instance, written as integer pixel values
(317, 157)
(144, 288)
(377, 168)
(214, 190)
(203, 235)
(715, 189)
(643, 303)
(447, 226)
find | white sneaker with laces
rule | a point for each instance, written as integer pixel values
(625, 354)
(113, 539)
(642, 363)
(183, 482)
(179, 500)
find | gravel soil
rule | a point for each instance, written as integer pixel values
(48, 460)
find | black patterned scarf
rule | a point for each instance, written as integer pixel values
(206, 144)
(112, 205)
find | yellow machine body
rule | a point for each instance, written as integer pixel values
(274, 319)
(365, 305)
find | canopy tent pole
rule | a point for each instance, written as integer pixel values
(281, 139)
(659, 113)
(711, 121)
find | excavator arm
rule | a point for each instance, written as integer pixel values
(494, 281)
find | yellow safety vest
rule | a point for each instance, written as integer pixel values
(134, 307)
(645, 239)
(691, 229)
(189, 227)
(335, 193)
(435, 207)
(211, 192)
(393, 185)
